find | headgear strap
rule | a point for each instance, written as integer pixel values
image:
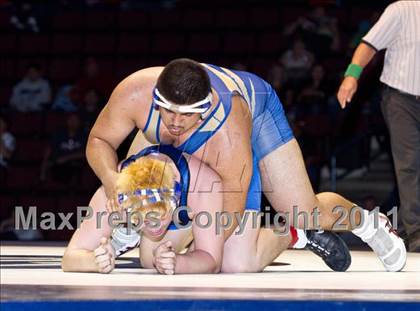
(200, 106)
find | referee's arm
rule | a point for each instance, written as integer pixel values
(379, 37)
(361, 57)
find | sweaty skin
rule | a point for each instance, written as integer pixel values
(228, 152)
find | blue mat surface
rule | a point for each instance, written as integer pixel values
(243, 305)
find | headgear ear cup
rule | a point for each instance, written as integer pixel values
(177, 190)
(181, 164)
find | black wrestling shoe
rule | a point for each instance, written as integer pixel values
(331, 248)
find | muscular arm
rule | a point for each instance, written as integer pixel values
(79, 255)
(79, 260)
(112, 126)
(208, 240)
(234, 163)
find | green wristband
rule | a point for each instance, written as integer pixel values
(354, 71)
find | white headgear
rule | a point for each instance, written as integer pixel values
(201, 106)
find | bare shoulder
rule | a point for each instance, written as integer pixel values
(138, 85)
(133, 95)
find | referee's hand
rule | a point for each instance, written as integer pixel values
(346, 91)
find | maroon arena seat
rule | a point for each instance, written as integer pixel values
(26, 124)
(30, 150)
(64, 69)
(5, 92)
(42, 203)
(265, 17)
(69, 204)
(261, 66)
(34, 44)
(54, 121)
(23, 62)
(203, 43)
(89, 181)
(22, 177)
(8, 43)
(68, 20)
(99, 43)
(271, 42)
(291, 14)
(7, 204)
(67, 43)
(134, 43)
(126, 66)
(132, 20)
(164, 19)
(231, 18)
(238, 43)
(168, 43)
(198, 18)
(100, 19)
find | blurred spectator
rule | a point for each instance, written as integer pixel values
(65, 155)
(369, 202)
(362, 30)
(311, 150)
(297, 62)
(90, 108)
(32, 93)
(7, 142)
(8, 231)
(67, 99)
(277, 78)
(147, 5)
(239, 66)
(93, 78)
(23, 16)
(312, 125)
(313, 98)
(318, 30)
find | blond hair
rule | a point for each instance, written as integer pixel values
(146, 173)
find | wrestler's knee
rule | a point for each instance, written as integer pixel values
(325, 198)
(303, 217)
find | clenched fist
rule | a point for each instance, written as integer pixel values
(164, 258)
(105, 256)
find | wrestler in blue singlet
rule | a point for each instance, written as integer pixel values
(270, 128)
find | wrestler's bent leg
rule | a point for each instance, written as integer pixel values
(286, 184)
(254, 248)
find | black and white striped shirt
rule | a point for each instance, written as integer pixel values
(398, 31)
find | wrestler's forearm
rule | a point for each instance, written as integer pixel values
(363, 55)
(102, 158)
(197, 261)
(79, 260)
(233, 203)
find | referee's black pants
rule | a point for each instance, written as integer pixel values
(402, 116)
